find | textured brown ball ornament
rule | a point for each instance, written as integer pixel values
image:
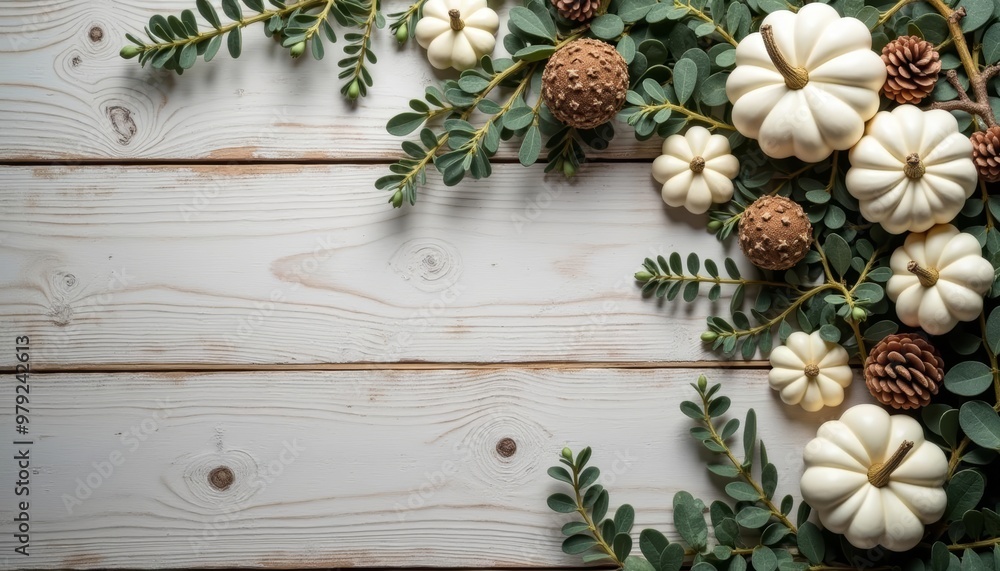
(584, 83)
(577, 10)
(912, 65)
(775, 233)
(986, 153)
(904, 371)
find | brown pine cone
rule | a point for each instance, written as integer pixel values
(913, 66)
(986, 153)
(577, 10)
(904, 371)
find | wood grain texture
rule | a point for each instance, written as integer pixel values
(66, 95)
(307, 264)
(359, 468)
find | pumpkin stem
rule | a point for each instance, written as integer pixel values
(878, 474)
(456, 20)
(697, 164)
(795, 77)
(927, 276)
(914, 167)
(811, 370)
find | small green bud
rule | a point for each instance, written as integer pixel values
(567, 453)
(298, 49)
(714, 226)
(859, 314)
(354, 90)
(129, 52)
(643, 276)
(568, 169)
(397, 199)
(709, 336)
(702, 383)
(402, 33)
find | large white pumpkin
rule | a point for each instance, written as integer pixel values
(872, 477)
(456, 33)
(913, 169)
(805, 85)
(939, 278)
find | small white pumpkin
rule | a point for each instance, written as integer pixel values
(456, 33)
(809, 371)
(696, 170)
(806, 83)
(939, 278)
(912, 169)
(872, 477)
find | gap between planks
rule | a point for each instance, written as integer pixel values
(304, 162)
(402, 366)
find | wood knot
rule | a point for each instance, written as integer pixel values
(96, 34)
(122, 123)
(221, 478)
(506, 447)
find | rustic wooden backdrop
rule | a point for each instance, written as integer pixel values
(242, 356)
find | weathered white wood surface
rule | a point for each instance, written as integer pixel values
(307, 264)
(358, 468)
(66, 95)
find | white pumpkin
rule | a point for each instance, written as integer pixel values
(912, 169)
(806, 83)
(939, 278)
(809, 371)
(696, 170)
(872, 477)
(456, 33)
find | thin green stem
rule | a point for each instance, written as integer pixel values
(975, 544)
(720, 280)
(691, 115)
(368, 25)
(781, 316)
(744, 473)
(405, 16)
(590, 522)
(706, 18)
(956, 456)
(992, 357)
(890, 12)
(244, 22)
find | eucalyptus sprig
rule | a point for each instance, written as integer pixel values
(751, 528)
(175, 43)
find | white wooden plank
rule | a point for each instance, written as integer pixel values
(337, 469)
(66, 95)
(308, 264)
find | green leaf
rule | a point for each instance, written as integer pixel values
(534, 53)
(838, 254)
(622, 545)
(576, 544)
(600, 508)
(232, 10)
(633, 563)
(189, 53)
(968, 378)
(742, 491)
(769, 478)
(672, 558)
(574, 527)
(977, 13)
(528, 22)
(993, 330)
(589, 476)
(652, 543)
(405, 123)
(810, 542)
(689, 521)
(235, 42)
(624, 518)
(753, 517)
(561, 503)
(991, 44)
(607, 26)
(685, 79)
(531, 146)
(965, 490)
(213, 48)
(713, 90)
(732, 269)
(749, 436)
(774, 533)
(763, 559)
(208, 12)
(830, 332)
(980, 423)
